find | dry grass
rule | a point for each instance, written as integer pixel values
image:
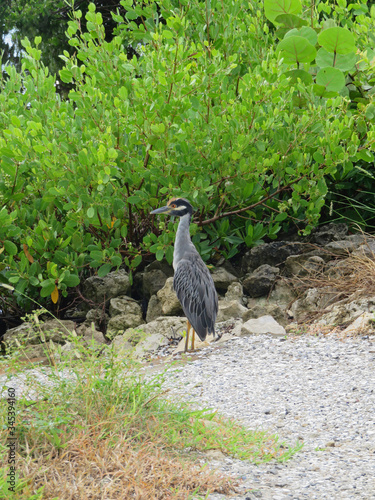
(352, 275)
(107, 434)
(93, 467)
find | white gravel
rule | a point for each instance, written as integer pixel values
(319, 390)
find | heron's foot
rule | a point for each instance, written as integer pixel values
(202, 345)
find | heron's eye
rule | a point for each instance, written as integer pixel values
(173, 205)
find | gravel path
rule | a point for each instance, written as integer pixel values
(319, 390)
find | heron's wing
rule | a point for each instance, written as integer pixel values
(195, 290)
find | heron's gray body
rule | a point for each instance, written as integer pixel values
(193, 282)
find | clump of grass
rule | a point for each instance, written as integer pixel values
(351, 274)
(99, 430)
(356, 274)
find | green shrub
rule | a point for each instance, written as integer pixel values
(213, 109)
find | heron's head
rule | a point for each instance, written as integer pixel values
(175, 206)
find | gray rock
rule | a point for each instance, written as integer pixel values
(346, 246)
(154, 277)
(232, 326)
(39, 351)
(222, 279)
(89, 333)
(96, 316)
(229, 309)
(260, 282)
(21, 335)
(306, 263)
(118, 324)
(263, 325)
(153, 309)
(149, 337)
(282, 294)
(125, 313)
(347, 310)
(274, 253)
(336, 269)
(153, 281)
(364, 324)
(267, 309)
(329, 232)
(57, 330)
(314, 300)
(25, 334)
(124, 305)
(235, 292)
(367, 249)
(170, 305)
(114, 284)
(310, 302)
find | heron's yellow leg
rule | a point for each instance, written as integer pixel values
(187, 335)
(192, 340)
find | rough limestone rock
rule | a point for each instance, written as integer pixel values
(89, 333)
(114, 284)
(125, 313)
(363, 325)
(347, 310)
(344, 247)
(124, 305)
(118, 324)
(39, 351)
(310, 302)
(230, 326)
(329, 232)
(54, 330)
(336, 269)
(148, 337)
(222, 279)
(153, 309)
(170, 305)
(235, 292)
(267, 309)
(306, 263)
(96, 316)
(366, 249)
(273, 254)
(230, 309)
(314, 300)
(282, 295)
(22, 334)
(263, 325)
(260, 282)
(154, 277)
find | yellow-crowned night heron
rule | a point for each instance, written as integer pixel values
(192, 280)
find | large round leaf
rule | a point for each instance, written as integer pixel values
(296, 49)
(296, 74)
(339, 40)
(305, 32)
(273, 8)
(331, 78)
(345, 62)
(289, 22)
(309, 34)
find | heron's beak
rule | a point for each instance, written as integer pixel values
(162, 210)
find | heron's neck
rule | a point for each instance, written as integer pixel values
(183, 241)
